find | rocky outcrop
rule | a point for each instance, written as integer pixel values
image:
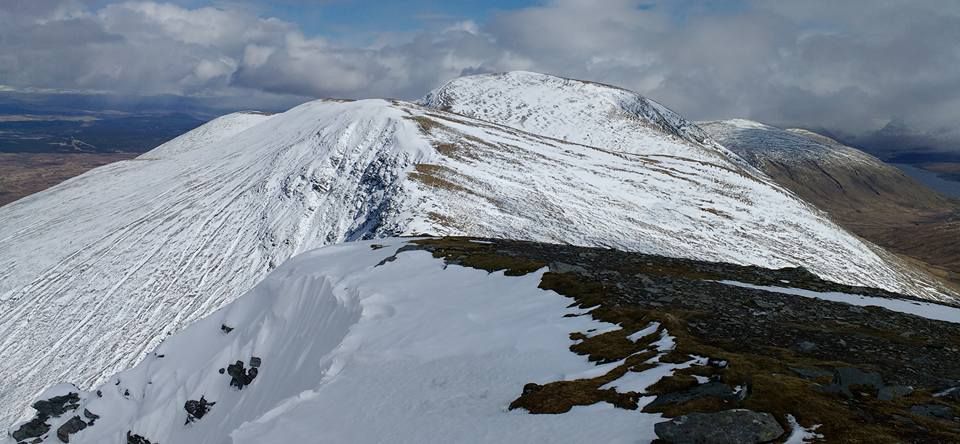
(196, 409)
(738, 426)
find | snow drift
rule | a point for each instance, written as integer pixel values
(352, 348)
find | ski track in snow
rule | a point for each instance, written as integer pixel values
(96, 271)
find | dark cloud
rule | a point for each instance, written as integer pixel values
(852, 66)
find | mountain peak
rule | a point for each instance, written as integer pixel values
(568, 109)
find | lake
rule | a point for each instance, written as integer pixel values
(947, 187)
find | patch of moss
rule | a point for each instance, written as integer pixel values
(763, 370)
(483, 256)
(436, 176)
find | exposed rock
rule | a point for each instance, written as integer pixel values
(891, 392)
(133, 438)
(737, 426)
(255, 362)
(225, 329)
(57, 405)
(710, 389)
(239, 376)
(846, 377)
(531, 388)
(31, 429)
(811, 373)
(933, 411)
(70, 427)
(196, 409)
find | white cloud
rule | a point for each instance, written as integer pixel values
(849, 65)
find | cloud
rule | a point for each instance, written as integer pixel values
(851, 66)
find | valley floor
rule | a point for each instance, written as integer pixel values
(22, 174)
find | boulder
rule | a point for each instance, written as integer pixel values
(708, 390)
(70, 427)
(846, 377)
(739, 426)
(31, 429)
(240, 377)
(196, 409)
(891, 392)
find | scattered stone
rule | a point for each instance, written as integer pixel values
(225, 329)
(737, 426)
(891, 392)
(221, 371)
(932, 411)
(255, 362)
(239, 376)
(33, 428)
(196, 409)
(70, 427)
(806, 346)
(708, 390)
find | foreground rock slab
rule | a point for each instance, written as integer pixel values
(728, 427)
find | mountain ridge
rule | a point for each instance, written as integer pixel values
(131, 251)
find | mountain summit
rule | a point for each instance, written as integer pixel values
(117, 258)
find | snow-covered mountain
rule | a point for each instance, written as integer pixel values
(96, 271)
(862, 193)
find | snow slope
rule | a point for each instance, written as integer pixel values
(409, 350)
(118, 257)
(758, 143)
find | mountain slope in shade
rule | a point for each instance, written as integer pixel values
(862, 193)
(118, 257)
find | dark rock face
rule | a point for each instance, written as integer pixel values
(46, 409)
(32, 429)
(133, 438)
(738, 426)
(57, 405)
(225, 329)
(197, 409)
(241, 377)
(70, 427)
(708, 390)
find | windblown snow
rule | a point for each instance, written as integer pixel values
(96, 271)
(407, 351)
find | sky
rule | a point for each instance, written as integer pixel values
(853, 67)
